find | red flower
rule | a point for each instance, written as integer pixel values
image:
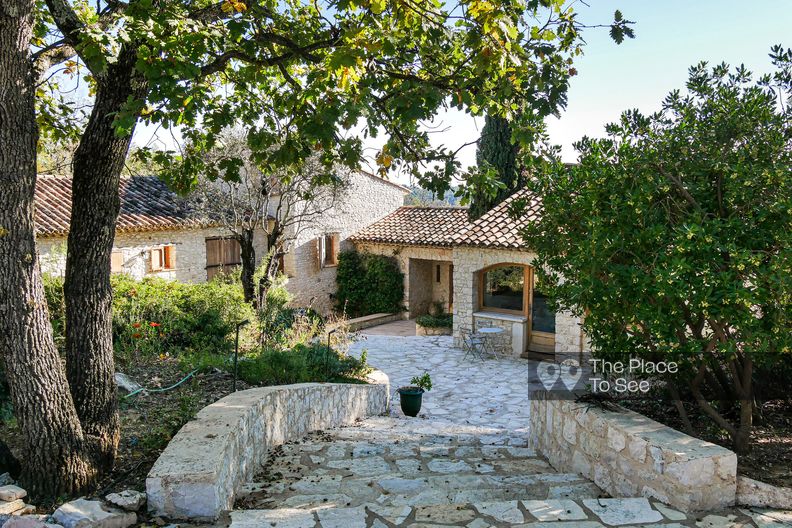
(154, 325)
(135, 325)
(136, 336)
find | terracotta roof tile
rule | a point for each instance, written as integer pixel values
(415, 226)
(146, 205)
(498, 227)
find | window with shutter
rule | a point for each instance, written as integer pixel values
(163, 258)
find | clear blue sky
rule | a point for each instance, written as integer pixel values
(671, 35)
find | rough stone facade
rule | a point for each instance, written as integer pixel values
(422, 290)
(629, 455)
(199, 473)
(366, 199)
(468, 261)
(189, 244)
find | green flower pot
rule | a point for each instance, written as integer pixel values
(410, 400)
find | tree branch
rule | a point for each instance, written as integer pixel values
(53, 54)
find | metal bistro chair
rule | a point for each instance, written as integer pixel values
(473, 343)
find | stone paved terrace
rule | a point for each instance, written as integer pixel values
(465, 462)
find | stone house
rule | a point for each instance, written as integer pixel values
(480, 271)
(158, 235)
(312, 257)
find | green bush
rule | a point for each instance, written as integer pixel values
(154, 316)
(300, 364)
(281, 325)
(443, 320)
(368, 284)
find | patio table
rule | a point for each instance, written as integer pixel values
(489, 334)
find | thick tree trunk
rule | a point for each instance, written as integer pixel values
(97, 166)
(55, 460)
(248, 264)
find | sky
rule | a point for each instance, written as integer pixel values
(671, 35)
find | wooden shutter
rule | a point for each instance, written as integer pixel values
(232, 252)
(156, 259)
(116, 262)
(336, 239)
(222, 255)
(214, 254)
(169, 257)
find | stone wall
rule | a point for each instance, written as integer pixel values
(422, 284)
(366, 199)
(189, 244)
(511, 341)
(468, 261)
(199, 473)
(629, 455)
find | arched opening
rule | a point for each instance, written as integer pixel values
(509, 289)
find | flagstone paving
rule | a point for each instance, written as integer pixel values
(466, 462)
(492, 393)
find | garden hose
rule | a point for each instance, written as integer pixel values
(142, 389)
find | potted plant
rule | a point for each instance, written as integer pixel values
(410, 396)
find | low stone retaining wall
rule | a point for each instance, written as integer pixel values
(751, 492)
(628, 455)
(198, 474)
(432, 330)
(367, 321)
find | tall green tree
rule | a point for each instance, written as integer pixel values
(296, 75)
(673, 236)
(496, 153)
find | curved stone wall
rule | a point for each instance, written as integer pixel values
(629, 455)
(198, 474)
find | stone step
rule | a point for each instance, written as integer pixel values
(316, 492)
(431, 431)
(564, 513)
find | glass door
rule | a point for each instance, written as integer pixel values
(541, 322)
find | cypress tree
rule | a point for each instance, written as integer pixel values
(495, 149)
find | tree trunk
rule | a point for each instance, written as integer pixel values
(97, 165)
(248, 264)
(742, 440)
(55, 453)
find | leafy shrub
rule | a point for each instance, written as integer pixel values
(155, 316)
(53, 292)
(443, 320)
(368, 284)
(300, 364)
(283, 326)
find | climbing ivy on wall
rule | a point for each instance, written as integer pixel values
(368, 284)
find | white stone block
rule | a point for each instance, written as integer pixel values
(616, 439)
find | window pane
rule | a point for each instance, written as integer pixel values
(503, 288)
(543, 318)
